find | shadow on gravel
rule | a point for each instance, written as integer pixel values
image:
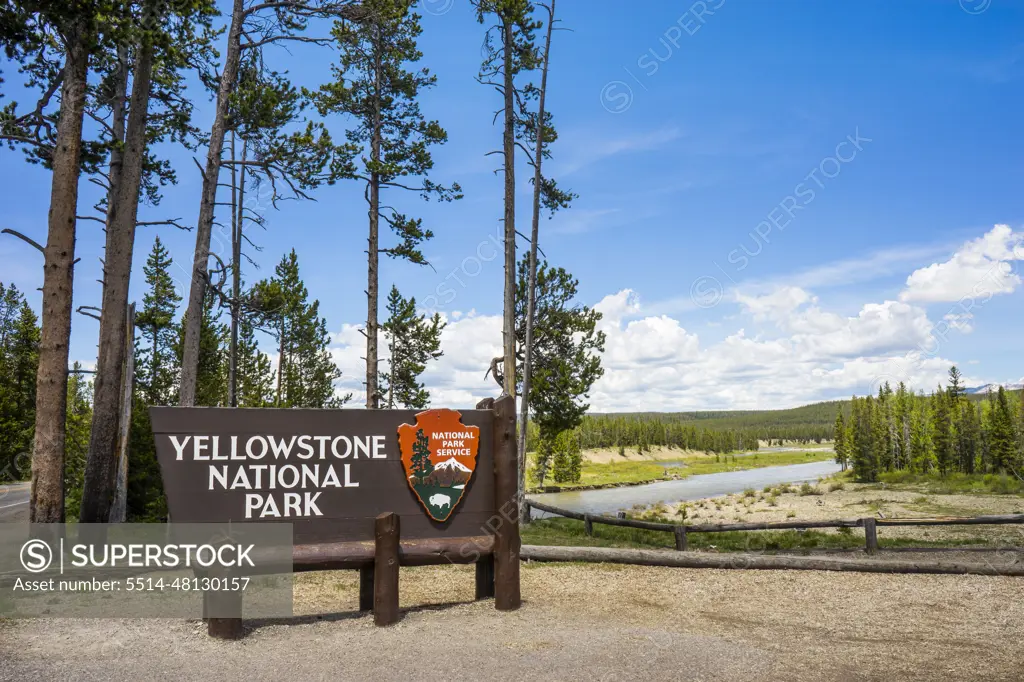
(255, 624)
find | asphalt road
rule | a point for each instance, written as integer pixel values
(14, 502)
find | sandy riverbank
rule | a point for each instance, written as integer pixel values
(663, 454)
(856, 500)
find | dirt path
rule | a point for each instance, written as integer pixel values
(578, 622)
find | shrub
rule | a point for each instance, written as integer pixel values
(749, 492)
(807, 489)
(836, 486)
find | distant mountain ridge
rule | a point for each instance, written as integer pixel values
(995, 387)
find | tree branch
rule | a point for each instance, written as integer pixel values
(19, 235)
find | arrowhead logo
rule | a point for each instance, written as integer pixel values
(439, 454)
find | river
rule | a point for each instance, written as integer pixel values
(608, 500)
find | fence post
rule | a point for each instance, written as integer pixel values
(485, 577)
(588, 525)
(221, 602)
(680, 533)
(366, 588)
(385, 569)
(870, 535)
(507, 596)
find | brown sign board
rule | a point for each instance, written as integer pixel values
(328, 472)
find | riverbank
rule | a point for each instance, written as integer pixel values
(840, 497)
(669, 465)
(837, 497)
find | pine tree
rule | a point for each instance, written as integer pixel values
(211, 383)
(865, 433)
(566, 349)
(413, 341)
(539, 132)
(73, 30)
(76, 430)
(968, 434)
(255, 374)
(306, 371)
(374, 86)
(509, 50)
(956, 387)
(145, 494)
(156, 367)
(901, 416)
(19, 359)
(839, 436)
(920, 436)
(1002, 439)
(568, 460)
(942, 431)
(1020, 426)
(421, 464)
(272, 22)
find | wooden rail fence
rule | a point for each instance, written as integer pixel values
(681, 531)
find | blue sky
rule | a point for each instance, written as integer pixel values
(763, 189)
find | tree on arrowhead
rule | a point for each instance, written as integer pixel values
(421, 464)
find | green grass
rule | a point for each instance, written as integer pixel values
(569, 532)
(955, 484)
(621, 473)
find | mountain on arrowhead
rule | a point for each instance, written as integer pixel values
(449, 472)
(452, 463)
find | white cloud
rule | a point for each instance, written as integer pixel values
(776, 305)
(614, 307)
(959, 321)
(799, 351)
(981, 268)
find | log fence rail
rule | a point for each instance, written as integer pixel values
(680, 531)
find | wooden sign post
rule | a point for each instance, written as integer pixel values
(367, 490)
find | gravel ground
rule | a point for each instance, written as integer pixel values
(578, 622)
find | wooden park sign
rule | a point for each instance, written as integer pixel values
(363, 489)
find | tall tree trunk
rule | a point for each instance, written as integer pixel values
(373, 255)
(204, 226)
(155, 371)
(280, 362)
(233, 342)
(118, 113)
(509, 320)
(237, 218)
(101, 465)
(47, 496)
(394, 371)
(531, 283)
